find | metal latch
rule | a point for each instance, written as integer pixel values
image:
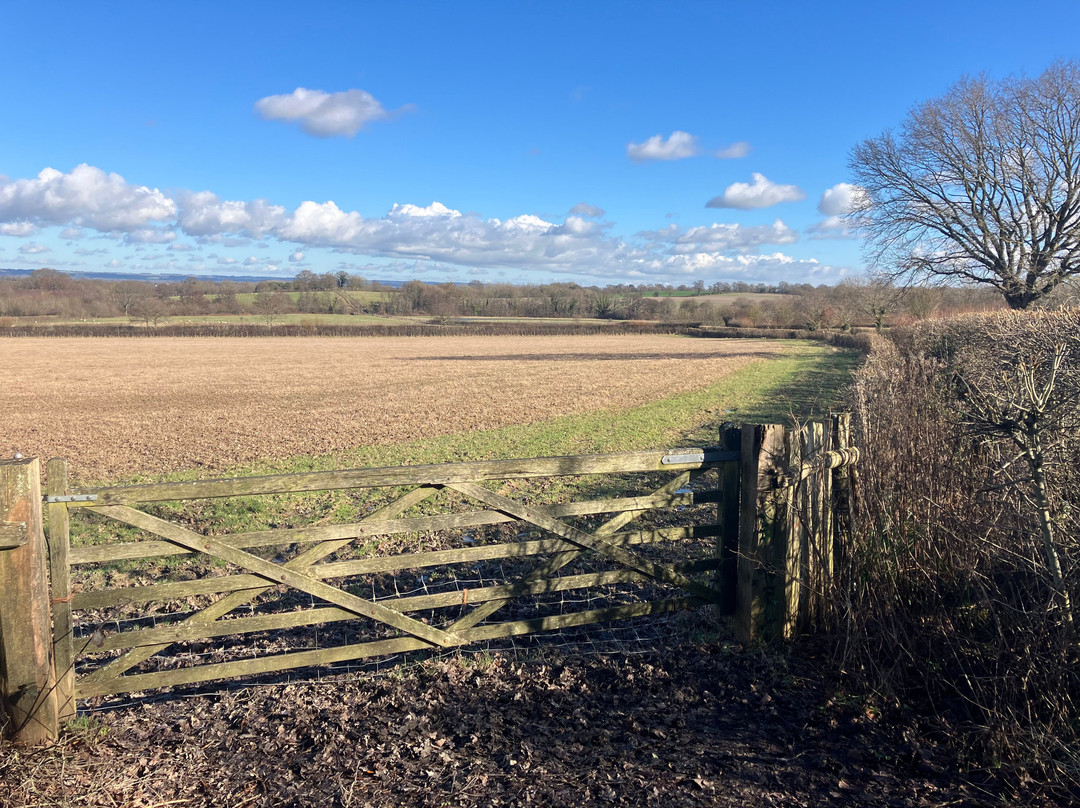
(72, 498)
(683, 456)
(714, 455)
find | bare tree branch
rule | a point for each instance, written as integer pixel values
(981, 185)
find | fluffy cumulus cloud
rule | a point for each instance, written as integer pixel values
(415, 238)
(761, 193)
(734, 151)
(840, 199)
(33, 249)
(324, 114)
(836, 205)
(204, 214)
(722, 237)
(148, 235)
(585, 209)
(21, 229)
(87, 197)
(678, 146)
(769, 268)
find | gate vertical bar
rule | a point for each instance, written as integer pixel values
(59, 539)
(791, 537)
(26, 671)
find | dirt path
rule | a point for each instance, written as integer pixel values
(695, 726)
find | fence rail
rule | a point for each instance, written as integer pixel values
(765, 555)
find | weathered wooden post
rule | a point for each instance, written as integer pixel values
(816, 515)
(727, 516)
(27, 693)
(764, 532)
(844, 485)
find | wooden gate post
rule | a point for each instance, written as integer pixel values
(727, 516)
(27, 693)
(764, 532)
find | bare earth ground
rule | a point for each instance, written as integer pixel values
(702, 725)
(118, 406)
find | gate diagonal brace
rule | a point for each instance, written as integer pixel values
(543, 519)
(220, 608)
(289, 574)
(560, 560)
(277, 573)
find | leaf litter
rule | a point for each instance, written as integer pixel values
(688, 725)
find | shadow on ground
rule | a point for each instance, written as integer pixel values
(686, 725)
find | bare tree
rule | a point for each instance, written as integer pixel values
(151, 310)
(981, 185)
(271, 306)
(126, 294)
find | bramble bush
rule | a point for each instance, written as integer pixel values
(959, 587)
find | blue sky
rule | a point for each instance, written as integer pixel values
(525, 142)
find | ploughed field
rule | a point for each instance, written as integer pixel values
(116, 407)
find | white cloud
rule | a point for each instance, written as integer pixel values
(585, 209)
(407, 240)
(678, 146)
(148, 235)
(87, 197)
(324, 114)
(203, 213)
(830, 227)
(734, 151)
(718, 238)
(770, 268)
(33, 249)
(71, 233)
(762, 193)
(840, 199)
(20, 229)
(836, 204)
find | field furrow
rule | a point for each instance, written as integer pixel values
(115, 407)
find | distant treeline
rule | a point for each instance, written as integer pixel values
(49, 294)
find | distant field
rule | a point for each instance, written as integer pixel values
(199, 319)
(727, 297)
(359, 297)
(117, 407)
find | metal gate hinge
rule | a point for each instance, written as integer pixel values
(72, 498)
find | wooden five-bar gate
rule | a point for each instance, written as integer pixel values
(765, 554)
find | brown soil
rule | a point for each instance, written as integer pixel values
(114, 407)
(692, 726)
